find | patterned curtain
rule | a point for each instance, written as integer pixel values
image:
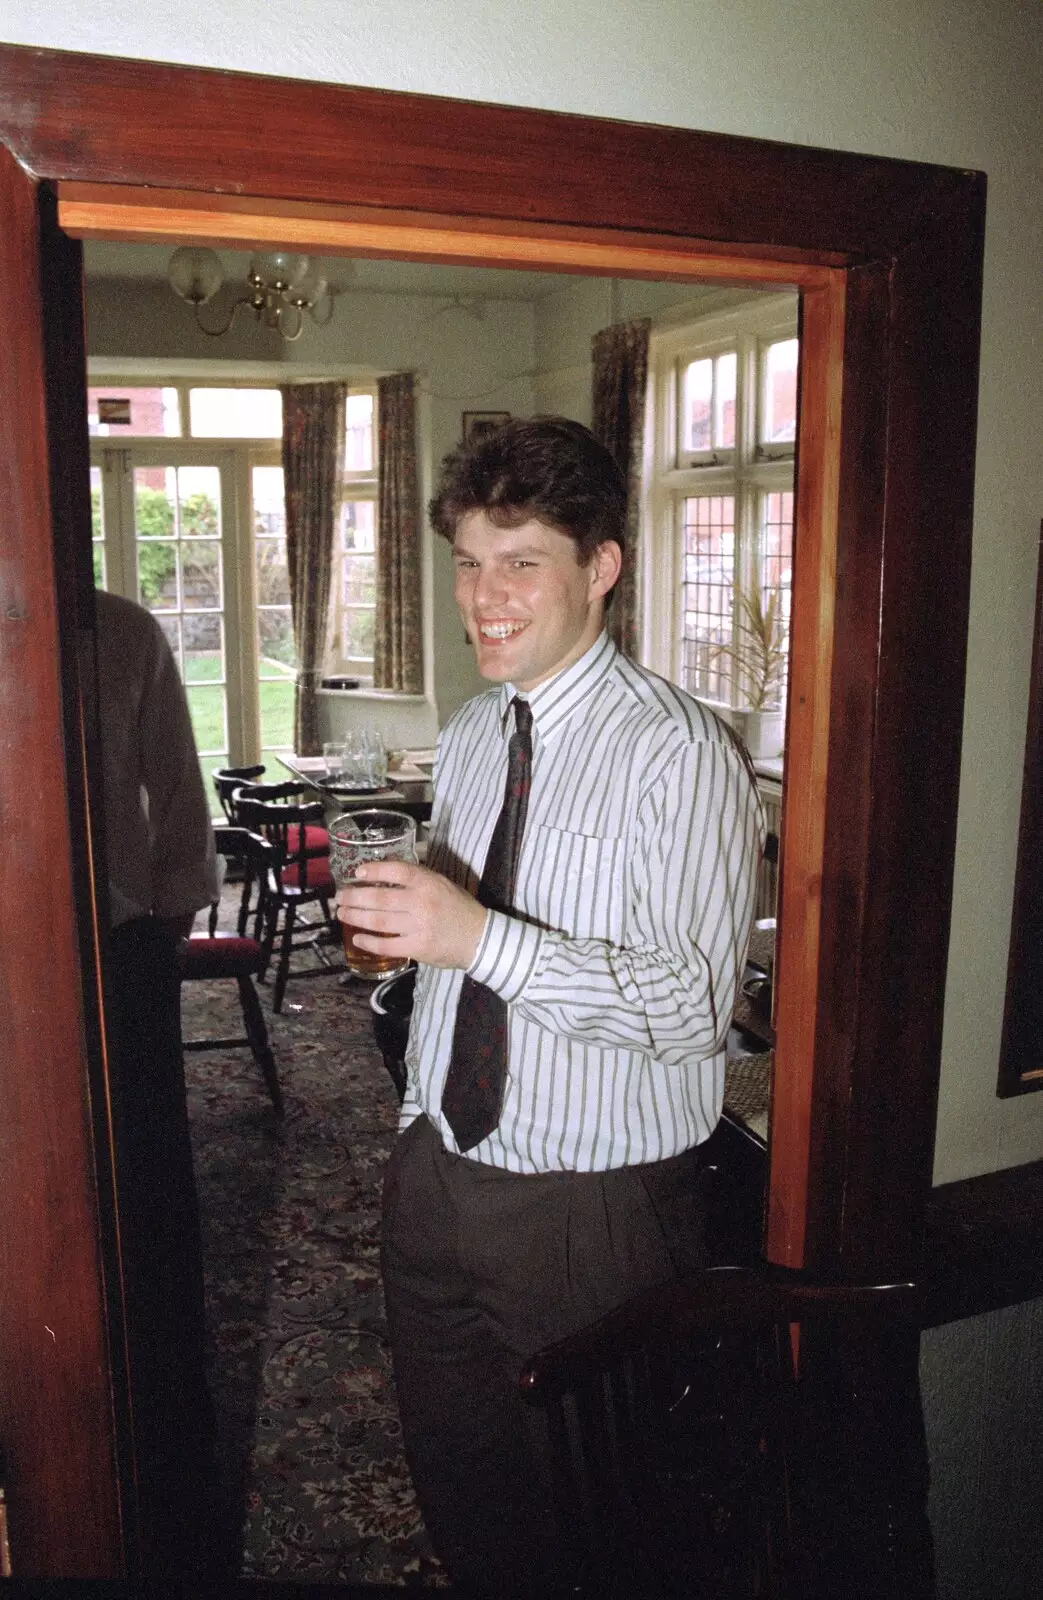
(397, 650)
(313, 467)
(620, 377)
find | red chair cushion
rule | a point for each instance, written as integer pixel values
(318, 878)
(223, 956)
(316, 839)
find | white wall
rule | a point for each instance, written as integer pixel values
(567, 320)
(952, 81)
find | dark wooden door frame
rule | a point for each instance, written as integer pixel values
(1021, 1060)
(890, 257)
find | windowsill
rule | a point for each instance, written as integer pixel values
(373, 694)
(769, 767)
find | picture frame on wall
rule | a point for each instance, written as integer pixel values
(476, 423)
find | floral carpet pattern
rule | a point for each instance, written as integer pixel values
(313, 1485)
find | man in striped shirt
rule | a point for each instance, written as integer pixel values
(615, 966)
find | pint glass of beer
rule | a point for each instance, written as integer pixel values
(357, 836)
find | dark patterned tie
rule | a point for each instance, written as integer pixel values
(473, 1094)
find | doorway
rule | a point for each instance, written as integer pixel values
(891, 254)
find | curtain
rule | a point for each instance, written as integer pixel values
(620, 378)
(313, 467)
(397, 647)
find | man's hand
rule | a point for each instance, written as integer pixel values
(423, 917)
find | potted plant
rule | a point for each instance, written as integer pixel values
(757, 652)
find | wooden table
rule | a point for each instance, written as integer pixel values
(408, 789)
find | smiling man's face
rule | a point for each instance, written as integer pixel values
(529, 607)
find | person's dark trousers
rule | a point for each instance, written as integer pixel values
(160, 1249)
(481, 1269)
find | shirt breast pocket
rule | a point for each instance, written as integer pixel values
(574, 883)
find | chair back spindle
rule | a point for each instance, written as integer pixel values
(227, 780)
(301, 876)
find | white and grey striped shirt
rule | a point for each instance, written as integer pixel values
(633, 906)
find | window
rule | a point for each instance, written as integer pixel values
(180, 578)
(718, 505)
(173, 469)
(234, 413)
(276, 651)
(98, 530)
(353, 591)
(118, 411)
(178, 411)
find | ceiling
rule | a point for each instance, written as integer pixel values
(104, 259)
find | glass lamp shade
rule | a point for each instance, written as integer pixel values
(280, 266)
(195, 274)
(308, 289)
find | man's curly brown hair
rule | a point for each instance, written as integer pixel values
(543, 469)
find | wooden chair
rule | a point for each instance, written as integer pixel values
(692, 1457)
(214, 955)
(291, 792)
(300, 877)
(226, 781)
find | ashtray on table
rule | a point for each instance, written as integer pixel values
(362, 789)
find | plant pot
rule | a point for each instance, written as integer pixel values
(763, 732)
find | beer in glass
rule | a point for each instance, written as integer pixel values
(370, 835)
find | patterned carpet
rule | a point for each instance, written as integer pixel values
(313, 1483)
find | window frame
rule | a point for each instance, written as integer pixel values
(361, 486)
(261, 454)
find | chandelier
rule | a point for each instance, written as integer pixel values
(280, 289)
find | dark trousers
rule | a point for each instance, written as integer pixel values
(160, 1248)
(481, 1269)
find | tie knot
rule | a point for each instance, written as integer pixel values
(522, 715)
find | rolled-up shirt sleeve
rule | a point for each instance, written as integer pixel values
(668, 988)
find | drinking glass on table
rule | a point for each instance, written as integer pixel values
(375, 756)
(371, 835)
(333, 755)
(355, 771)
